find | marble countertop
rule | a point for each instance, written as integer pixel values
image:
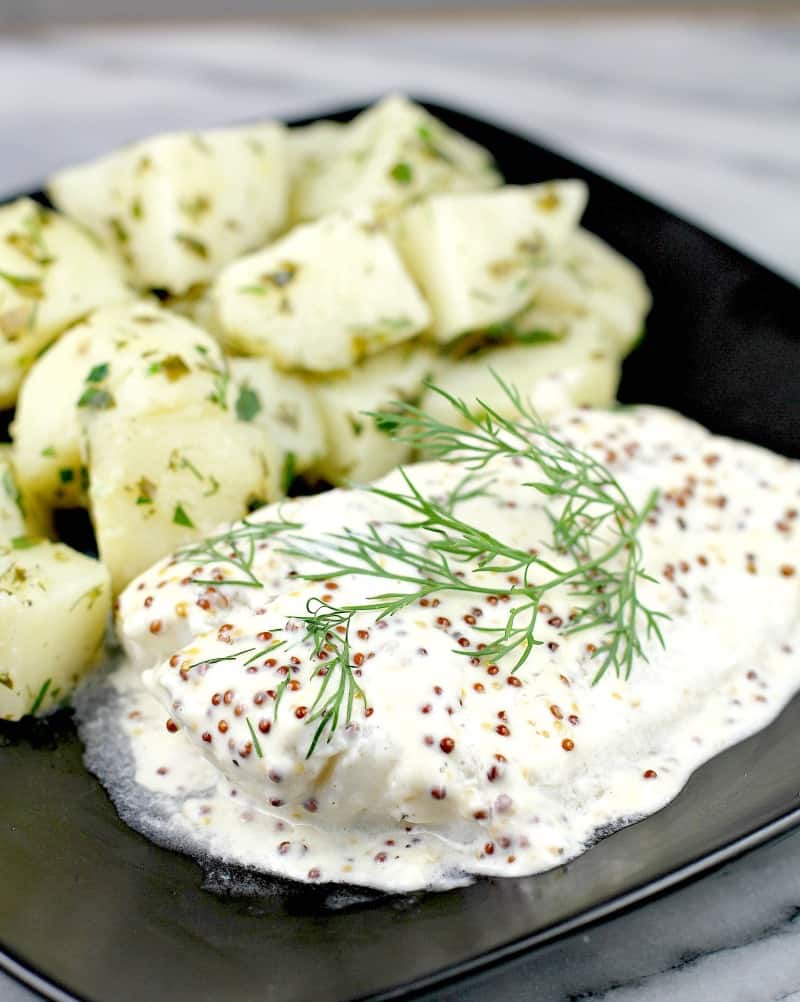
(703, 114)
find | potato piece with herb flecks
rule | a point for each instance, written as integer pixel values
(311, 149)
(477, 256)
(356, 451)
(12, 508)
(52, 273)
(323, 297)
(284, 407)
(608, 286)
(391, 154)
(581, 368)
(160, 480)
(136, 358)
(179, 206)
(54, 603)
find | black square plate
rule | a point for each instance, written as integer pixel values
(88, 905)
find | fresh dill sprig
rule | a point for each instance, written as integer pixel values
(235, 548)
(328, 629)
(594, 552)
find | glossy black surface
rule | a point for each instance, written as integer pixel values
(99, 911)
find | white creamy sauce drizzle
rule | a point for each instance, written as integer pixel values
(458, 767)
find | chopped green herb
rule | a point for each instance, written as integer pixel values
(49, 451)
(6, 680)
(66, 475)
(403, 173)
(25, 542)
(213, 488)
(248, 404)
(146, 489)
(356, 425)
(98, 373)
(26, 285)
(196, 207)
(84, 471)
(174, 367)
(90, 597)
(193, 245)
(181, 518)
(119, 231)
(136, 209)
(289, 471)
(97, 399)
(40, 698)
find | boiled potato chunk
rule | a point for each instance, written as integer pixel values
(136, 358)
(356, 451)
(609, 287)
(387, 156)
(284, 407)
(582, 368)
(179, 206)
(311, 148)
(321, 298)
(12, 508)
(161, 480)
(477, 256)
(54, 603)
(52, 273)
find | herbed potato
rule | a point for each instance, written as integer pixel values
(311, 149)
(284, 407)
(136, 359)
(54, 604)
(179, 206)
(477, 256)
(356, 451)
(12, 508)
(605, 285)
(160, 480)
(581, 368)
(321, 298)
(389, 155)
(52, 273)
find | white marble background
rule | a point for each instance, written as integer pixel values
(701, 113)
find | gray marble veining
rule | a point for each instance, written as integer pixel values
(702, 114)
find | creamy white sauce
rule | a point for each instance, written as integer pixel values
(459, 768)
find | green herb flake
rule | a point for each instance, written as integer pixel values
(98, 373)
(6, 680)
(136, 209)
(248, 404)
(289, 471)
(356, 425)
(403, 173)
(90, 597)
(49, 451)
(180, 517)
(26, 542)
(40, 698)
(146, 489)
(26, 285)
(174, 367)
(192, 245)
(66, 475)
(119, 231)
(96, 399)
